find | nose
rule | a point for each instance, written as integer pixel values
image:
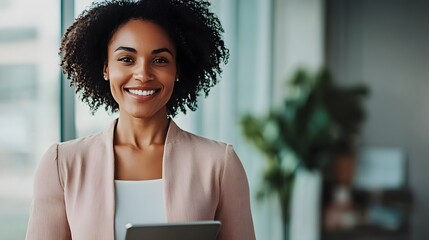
(143, 71)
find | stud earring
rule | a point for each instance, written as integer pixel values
(105, 77)
(177, 79)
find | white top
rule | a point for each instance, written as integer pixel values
(138, 202)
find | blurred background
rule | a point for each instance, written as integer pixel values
(377, 190)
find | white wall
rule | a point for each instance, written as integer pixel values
(384, 43)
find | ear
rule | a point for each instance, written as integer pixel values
(177, 72)
(106, 70)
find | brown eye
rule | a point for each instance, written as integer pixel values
(160, 60)
(125, 59)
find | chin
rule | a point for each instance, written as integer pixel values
(145, 113)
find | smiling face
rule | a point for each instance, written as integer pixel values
(141, 68)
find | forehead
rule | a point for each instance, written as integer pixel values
(139, 34)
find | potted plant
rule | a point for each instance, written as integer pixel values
(318, 121)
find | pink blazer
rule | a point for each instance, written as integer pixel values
(74, 194)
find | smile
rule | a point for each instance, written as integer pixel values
(142, 92)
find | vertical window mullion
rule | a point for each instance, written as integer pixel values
(67, 96)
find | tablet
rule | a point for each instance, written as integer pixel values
(201, 230)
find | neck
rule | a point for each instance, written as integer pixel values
(140, 132)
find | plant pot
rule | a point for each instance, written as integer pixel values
(344, 168)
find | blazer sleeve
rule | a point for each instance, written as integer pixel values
(234, 205)
(48, 219)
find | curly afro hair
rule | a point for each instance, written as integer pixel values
(193, 28)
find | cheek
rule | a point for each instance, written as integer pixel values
(117, 74)
(117, 78)
(116, 81)
(115, 91)
(170, 85)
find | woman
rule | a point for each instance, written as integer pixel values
(146, 59)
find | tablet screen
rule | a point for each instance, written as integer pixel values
(201, 230)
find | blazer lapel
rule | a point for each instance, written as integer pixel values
(167, 170)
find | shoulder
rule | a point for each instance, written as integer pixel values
(203, 148)
(72, 147)
(94, 143)
(191, 141)
(81, 145)
(75, 157)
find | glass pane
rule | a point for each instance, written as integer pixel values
(29, 123)
(86, 123)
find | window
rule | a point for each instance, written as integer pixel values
(29, 97)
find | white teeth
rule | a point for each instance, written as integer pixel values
(142, 92)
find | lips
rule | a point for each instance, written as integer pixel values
(142, 92)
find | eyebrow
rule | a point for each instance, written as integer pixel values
(162, 50)
(127, 49)
(156, 51)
